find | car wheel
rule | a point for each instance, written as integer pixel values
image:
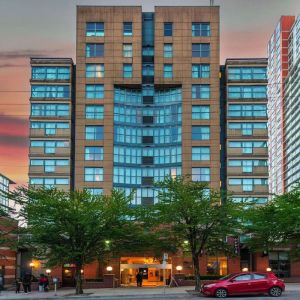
(275, 291)
(221, 293)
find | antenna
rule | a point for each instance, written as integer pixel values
(212, 2)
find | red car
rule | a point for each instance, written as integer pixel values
(245, 283)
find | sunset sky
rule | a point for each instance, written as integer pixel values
(47, 28)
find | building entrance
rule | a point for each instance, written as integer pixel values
(151, 268)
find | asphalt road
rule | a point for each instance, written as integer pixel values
(292, 295)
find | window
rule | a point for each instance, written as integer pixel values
(248, 184)
(48, 181)
(247, 165)
(49, 165)
(51, 73)
(247, 147)
(247, 92)
(127, 28)
(127, 70)
(94, 70)
(94, 133)
(50, 91)
(94, 91)
(49, 127)
(93, 174)
(200, 91)
(148, 70)
(168, 29)
(50, 110)
(200, 133)
(242, 277)
(259, 276)
(247, 128)
(94, 112)
(200, 112)
(200, 71)
(200, 29)
(95, 29)
(94, 191)
(168, 70)
(94, 50)
(247, 73)
(247, 110)
(200, 50)
(252, 200)
(200, 153)
(168, 50)
(93, 153)
(201, 174)
(148, 51)
(127, 50)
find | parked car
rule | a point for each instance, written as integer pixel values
(245, 283)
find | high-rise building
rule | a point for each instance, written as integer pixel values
(277, 72)
(5, 182)
(246, 129)
(292, 110)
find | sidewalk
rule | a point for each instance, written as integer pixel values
(132, 292)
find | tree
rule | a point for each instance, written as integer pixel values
(197, 215)
(72, 227)
(275, 224)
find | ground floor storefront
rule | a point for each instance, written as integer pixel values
(122, 271)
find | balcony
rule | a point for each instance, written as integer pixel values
(41, 132)
(255, 171)
(239, 152)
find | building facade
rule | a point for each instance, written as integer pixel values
(277, 72)
(5, 182)
(292, 110)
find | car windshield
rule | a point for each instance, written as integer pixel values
(226, 277)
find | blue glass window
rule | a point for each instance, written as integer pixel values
(94, 191)
(48, 181)
(49, 165)
(247, 110)
(247, 92)
(50, 147)
(200, 50)
(127, 50)
(94, 112)
(251, 200)
(49, 127)
(94, 71)
(247, 128)
(94, 91)
(148, 70)
(247, 73)
(200, 133)
(200, 91)
(94, 133)
(168, 50)
(93, 153)
(50, 91)
(168, 29)
(200, 153)
(168, 70)
(128, 96)
(200, 112)
(200, 71)
(200, 29)
(47, 110)
(93, 174)
(201, 174)
(94, 50)
(95, 29)
(51, 73)
(127, 70)
(127, 28)
(248, 184)
(247, 147)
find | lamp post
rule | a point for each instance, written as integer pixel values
(179, 268)
(245, 270)
(31, 265)
(109, 268)
(268, 269)
(48, 272)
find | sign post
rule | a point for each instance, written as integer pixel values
(165, 259)
(55, 281)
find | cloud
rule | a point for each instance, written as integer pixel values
(15, 141)
(26, 53)
(13, 126)
(8, 65)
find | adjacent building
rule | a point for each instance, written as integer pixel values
(277, 73)
(5, 182)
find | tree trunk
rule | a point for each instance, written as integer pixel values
(197, 272)
(78, 279)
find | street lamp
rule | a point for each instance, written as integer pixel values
(179, 268)
(268, 269)
(31, 265)
(109, 268)
(245, 270)
(48, 271)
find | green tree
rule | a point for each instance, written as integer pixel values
(275, 224)
(197, 215)
(73, 227)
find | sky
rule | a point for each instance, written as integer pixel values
(47, 28)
